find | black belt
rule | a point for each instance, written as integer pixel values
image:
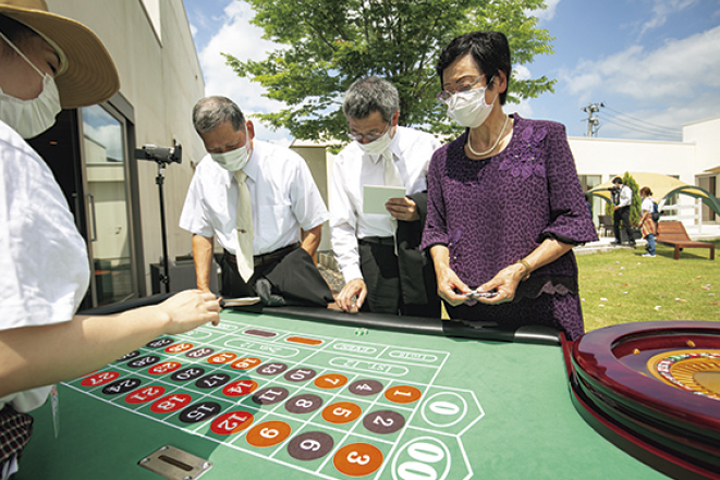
(379, 240)
(266, 258)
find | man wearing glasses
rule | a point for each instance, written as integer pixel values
(377, 252)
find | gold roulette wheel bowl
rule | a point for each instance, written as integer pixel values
(697, 371)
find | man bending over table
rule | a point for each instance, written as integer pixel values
(262, 204)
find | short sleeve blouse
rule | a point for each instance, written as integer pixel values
(43, 258)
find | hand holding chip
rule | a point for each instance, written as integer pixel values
(472, 298)
(477, 295)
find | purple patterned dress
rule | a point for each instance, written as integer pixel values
(490, 213)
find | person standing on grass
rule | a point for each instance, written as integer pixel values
(647, 225)
(622, 200)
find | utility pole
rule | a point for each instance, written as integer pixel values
(592, 121)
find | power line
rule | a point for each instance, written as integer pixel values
(646, 128)
(625, 121)
(670, 130)
(640, 129)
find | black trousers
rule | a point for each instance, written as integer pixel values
(624, 215)
(379, 266)
(293, 280)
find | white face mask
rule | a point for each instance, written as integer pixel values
(378, 146)
(469, 108)
(31, 117)
(233, 160)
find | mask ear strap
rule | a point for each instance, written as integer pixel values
(19, 52)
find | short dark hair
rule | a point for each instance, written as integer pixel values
(15, 31)
(617, 180)
(646, 191)
(489, 50)
(210, 112)
(371, 94)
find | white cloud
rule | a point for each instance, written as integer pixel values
(673, 73)
(548, 13)
(675, 83)
(661, 10)
(521, 72)
(523, 108)
(244, 41)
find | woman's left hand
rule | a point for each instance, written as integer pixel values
(505, 283)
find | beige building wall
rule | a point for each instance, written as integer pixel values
(319, 160)
(160, 77)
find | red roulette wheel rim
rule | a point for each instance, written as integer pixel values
(613, 376)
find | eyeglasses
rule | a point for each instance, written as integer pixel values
(370, 137)
(445, 95)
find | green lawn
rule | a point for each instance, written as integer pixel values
(622, 286)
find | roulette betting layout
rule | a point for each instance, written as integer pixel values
(337, 396)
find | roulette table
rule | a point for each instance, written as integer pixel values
(308, 393)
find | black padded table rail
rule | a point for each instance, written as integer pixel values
(418, 325)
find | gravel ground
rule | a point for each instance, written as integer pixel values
(333, 278)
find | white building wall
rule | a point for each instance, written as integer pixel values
(610, 157)
(161, 78)
(686, 160)
(706, 137)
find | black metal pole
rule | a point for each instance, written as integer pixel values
(165, 276)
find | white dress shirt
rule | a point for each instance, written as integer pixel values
(283, 192)
(626, 195)
(43, 258)
(411, 150)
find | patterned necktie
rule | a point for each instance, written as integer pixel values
(392, 175)
(392, 179)
(245, 230)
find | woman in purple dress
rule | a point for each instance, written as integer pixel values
(505, 206)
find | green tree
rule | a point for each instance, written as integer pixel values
(635, 206)
(328, 44)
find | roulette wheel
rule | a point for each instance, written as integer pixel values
(653, 388)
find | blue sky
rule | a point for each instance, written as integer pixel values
(655, 64)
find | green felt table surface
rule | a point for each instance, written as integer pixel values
(487, 410)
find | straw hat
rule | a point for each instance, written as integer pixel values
(90, 76)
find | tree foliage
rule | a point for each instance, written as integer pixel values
(635, 206)
(328, 44)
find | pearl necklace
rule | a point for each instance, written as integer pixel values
(482, 154)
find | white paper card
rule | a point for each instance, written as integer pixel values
(376, 196)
